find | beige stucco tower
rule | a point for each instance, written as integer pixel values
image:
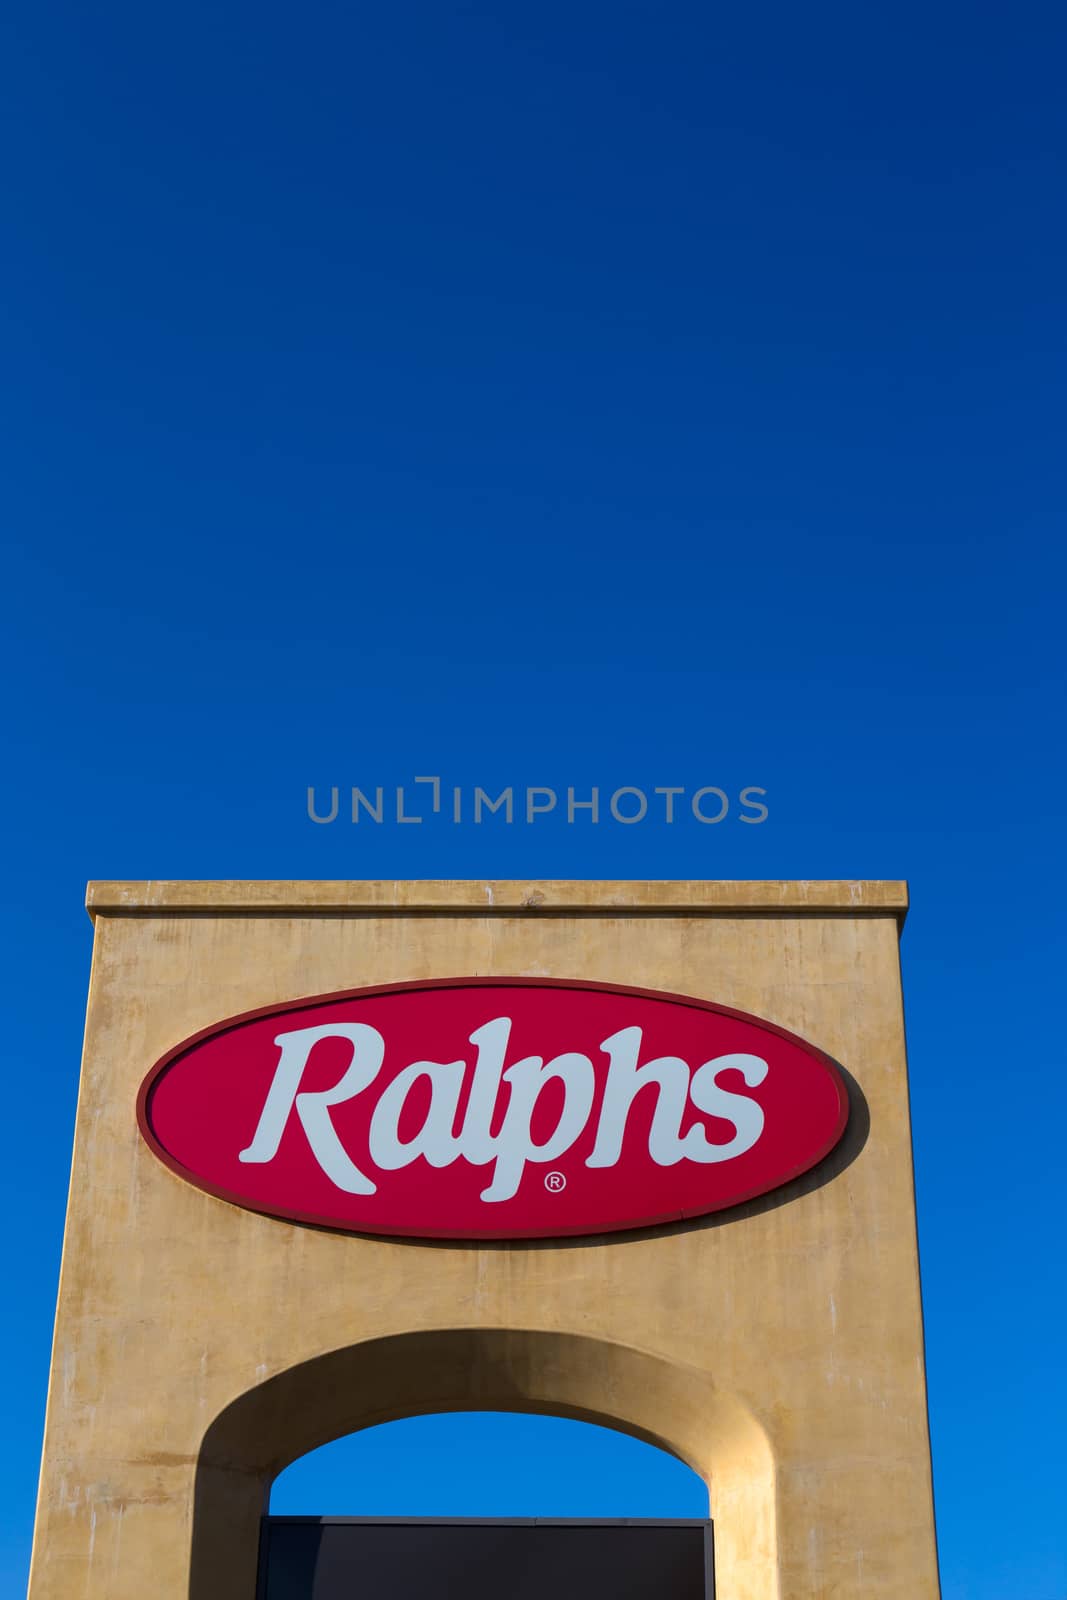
(776, 1347)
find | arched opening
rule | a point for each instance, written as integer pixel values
(551, 1373)
(489, 1464)
(479, 1503)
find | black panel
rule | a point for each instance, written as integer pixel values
(312, 1558)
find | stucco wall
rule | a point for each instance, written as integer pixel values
(776, 1347)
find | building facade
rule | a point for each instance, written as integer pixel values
(775, 1345)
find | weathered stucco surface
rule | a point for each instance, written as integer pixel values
(777, 1347)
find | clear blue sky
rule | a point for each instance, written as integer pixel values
(559, 395)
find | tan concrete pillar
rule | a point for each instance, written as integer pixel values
(776, 1347)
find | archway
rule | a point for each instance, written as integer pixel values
(479, 1503)
(489, 1464)
(676, 1408)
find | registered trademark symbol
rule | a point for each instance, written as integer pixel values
(555, 1182)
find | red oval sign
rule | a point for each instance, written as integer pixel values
(492, 1108)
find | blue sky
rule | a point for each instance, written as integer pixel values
(559, 395)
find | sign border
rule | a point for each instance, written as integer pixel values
(504, 1234)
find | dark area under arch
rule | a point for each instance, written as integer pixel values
(342, 1558)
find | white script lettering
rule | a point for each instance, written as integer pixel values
(440, 1143)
